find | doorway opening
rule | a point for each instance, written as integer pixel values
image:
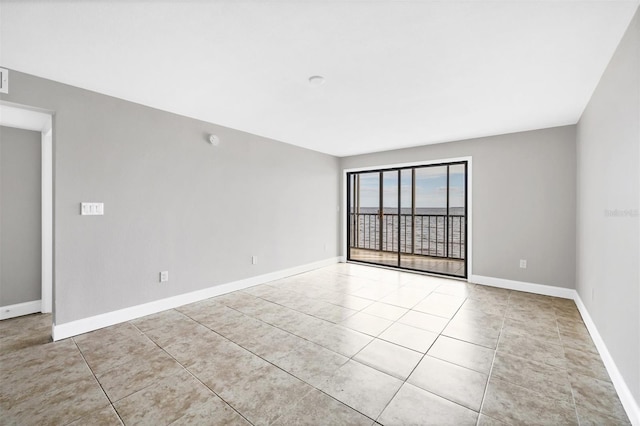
(27, 118)
(411, 217)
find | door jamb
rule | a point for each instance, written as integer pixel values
(23, 117)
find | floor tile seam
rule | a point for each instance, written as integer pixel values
(269, 362)
(493, 360)
(279, 328)
(200, 381)
(529, 337)
(298, 310)
(98, 382)
(119, 363)
(573, 398)
(203, 384)
(326, 394)
(545, 396)
(566, 368)
(309, 315)
(405, 381)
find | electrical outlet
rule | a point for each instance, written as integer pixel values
(164, 276)
(254, 260)
(523, 263)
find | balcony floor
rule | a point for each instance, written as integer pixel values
(436, 265)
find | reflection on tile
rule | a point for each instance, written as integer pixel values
(386, 311)
(424, 321)
(362, 388)
(462, 353)
(405, 297)
(389, 358)
(309, 362)
(442, 305)
(471, 332)
(450, 381)
(413, 405)
(329, 312)
(409, 337)
(368, 324)
(489, 307)
(316, 408)
(513, 404)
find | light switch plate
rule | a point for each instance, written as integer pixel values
(4, 80)
(92, 209)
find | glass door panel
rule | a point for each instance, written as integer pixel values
(364, 215)
(412, 217)
(389, 218)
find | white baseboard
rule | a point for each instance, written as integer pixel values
(626, 397)
(74, 328)
(547, 290)
(19, 309)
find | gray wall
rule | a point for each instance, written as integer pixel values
(523, 201)
(608, 279)
(20, 216)
(172, 201)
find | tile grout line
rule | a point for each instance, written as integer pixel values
(265, 360)
(493, 360)
(421, 358)
(97, 381)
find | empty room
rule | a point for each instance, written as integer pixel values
(343, 212)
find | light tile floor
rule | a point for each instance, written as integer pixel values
(346, 344)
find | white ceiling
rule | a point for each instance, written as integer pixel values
(398, 73)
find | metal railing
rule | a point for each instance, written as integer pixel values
(437, 235)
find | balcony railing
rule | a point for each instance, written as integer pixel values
(436, 235)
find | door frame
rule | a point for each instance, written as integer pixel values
(34, 119)
(377, 167)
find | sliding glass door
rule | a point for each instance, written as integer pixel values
(411, 218)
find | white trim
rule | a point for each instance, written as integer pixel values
(624, 393)
(411, 164)
(47, 220)
(468, 159)
(19, 309)
(85, 325)
(547, 290)
(22, 117)
(26, 118)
